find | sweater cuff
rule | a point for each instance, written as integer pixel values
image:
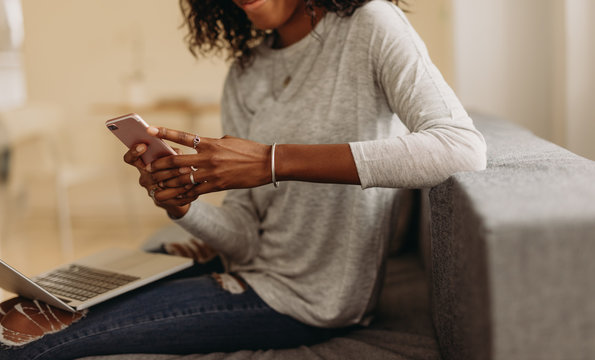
(363, 170)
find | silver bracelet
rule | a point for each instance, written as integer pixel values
(273, 177)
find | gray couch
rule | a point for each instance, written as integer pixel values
(502, 266)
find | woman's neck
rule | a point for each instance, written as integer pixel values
(297, 27)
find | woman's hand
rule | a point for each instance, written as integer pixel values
(219, 164)
(233, 163)
(173, 200)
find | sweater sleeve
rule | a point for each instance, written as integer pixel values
(232, 228)
(442, 138)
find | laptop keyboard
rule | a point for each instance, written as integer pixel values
(81, 282)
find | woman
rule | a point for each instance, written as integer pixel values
(315, 104)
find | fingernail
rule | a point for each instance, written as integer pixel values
(148, 168)
(153, 130)
(185, 170)
(140, 148)
(161, 185)
(188, 187)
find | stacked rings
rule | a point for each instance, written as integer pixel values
(195, 143)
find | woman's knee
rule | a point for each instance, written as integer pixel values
(23, 321)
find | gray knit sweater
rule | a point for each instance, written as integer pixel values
(315, 251)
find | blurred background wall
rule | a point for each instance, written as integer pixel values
(86, 54)
(531, 62)
(81, 62)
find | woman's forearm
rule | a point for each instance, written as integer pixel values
(316, 163)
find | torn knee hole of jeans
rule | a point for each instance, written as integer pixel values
(230, 282)
(29, 320)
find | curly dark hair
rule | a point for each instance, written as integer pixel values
(220, 25)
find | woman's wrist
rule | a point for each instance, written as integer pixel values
(177, 212)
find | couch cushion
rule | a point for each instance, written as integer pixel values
(402, 329)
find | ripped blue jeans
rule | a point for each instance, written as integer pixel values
(186, 313)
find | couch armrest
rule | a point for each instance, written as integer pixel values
(512, 247)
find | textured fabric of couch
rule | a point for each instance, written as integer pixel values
(508, 258)
(513, 275)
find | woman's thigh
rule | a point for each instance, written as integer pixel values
(173, 316)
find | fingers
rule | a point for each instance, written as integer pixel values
(197, 250)
(169, 198)
(192, 178)
(173, 196)
(180, 137)
(169, 174)
(205, 252)
(173, 161)
(179, 250)
(181, 195)
(202, 188)
(133, 155)
(162, 195)
(177, 202)
(166, 197)
(226, 163)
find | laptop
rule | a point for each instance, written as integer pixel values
(93, 279)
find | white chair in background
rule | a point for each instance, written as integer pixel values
(39, 125)
(28, 126)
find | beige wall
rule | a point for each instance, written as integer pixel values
(504, 59)
(579, 78)
(79, 53)
(433, 21)
(530, 62)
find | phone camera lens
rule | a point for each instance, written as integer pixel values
(112, 127)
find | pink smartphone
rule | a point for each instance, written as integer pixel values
(131, 129)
